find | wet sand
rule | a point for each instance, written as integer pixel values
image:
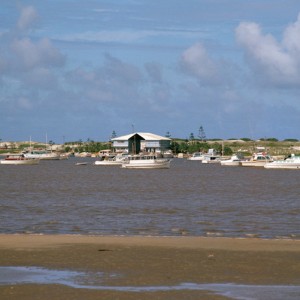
(149, 261)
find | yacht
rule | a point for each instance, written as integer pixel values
(145, 162)
(234, 160)
(211, 157)
(291, 162)
(196, 156)
(257, 160)
(111, 160)
(42, 154)
(18, 159)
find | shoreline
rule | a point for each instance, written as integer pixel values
(223, 243)
(149, 261)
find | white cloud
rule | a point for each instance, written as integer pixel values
(196, 61)
(277, 61)
(27, 18)
(30, 55)
(291, 38)
(115, 82)
(28, 66)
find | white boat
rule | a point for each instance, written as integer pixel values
(111, 160)
(257, 160)
(211, 159)
(42, 154)
(168, 154)
(18, 159)
(234, 160)
(196, 156)
(292, 162)
(145, 162)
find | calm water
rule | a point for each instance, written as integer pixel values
(190, 198)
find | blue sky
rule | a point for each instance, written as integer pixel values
(73, 69)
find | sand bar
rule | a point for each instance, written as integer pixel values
(149, 261)
(28, 241)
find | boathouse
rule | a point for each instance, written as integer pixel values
(141, 142)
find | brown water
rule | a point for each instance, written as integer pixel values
(190, 198)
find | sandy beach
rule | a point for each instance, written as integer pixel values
(149, 261)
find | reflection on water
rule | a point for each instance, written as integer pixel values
(74, 279)
(190, 198)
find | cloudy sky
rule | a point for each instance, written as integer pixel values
(73, 69)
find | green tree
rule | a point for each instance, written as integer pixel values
(201, 134)
(175, 147)
(191, 138)
(113, 135)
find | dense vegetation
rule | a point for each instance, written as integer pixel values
(89, 146)
(244, 145)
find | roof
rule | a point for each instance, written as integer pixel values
(145, 135)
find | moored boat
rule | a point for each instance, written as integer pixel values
(211, 157)
(291, 162)
(234, 160)
(111, 160)
(145, 162)
(196, 156)
(18, 159)
(42, 154)
(257, 160)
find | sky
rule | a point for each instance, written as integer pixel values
(80, 70)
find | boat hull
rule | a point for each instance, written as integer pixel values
(234, 160)
(111, 161)
(107, 163)
(282, 166)
(20, 162)
(196, 156)
(257, 160)
(43, 156)
(230, 163)
(156, 166)
(253, 163)
(147, 165)
(209, 159)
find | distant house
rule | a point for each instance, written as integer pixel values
(141, 142)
